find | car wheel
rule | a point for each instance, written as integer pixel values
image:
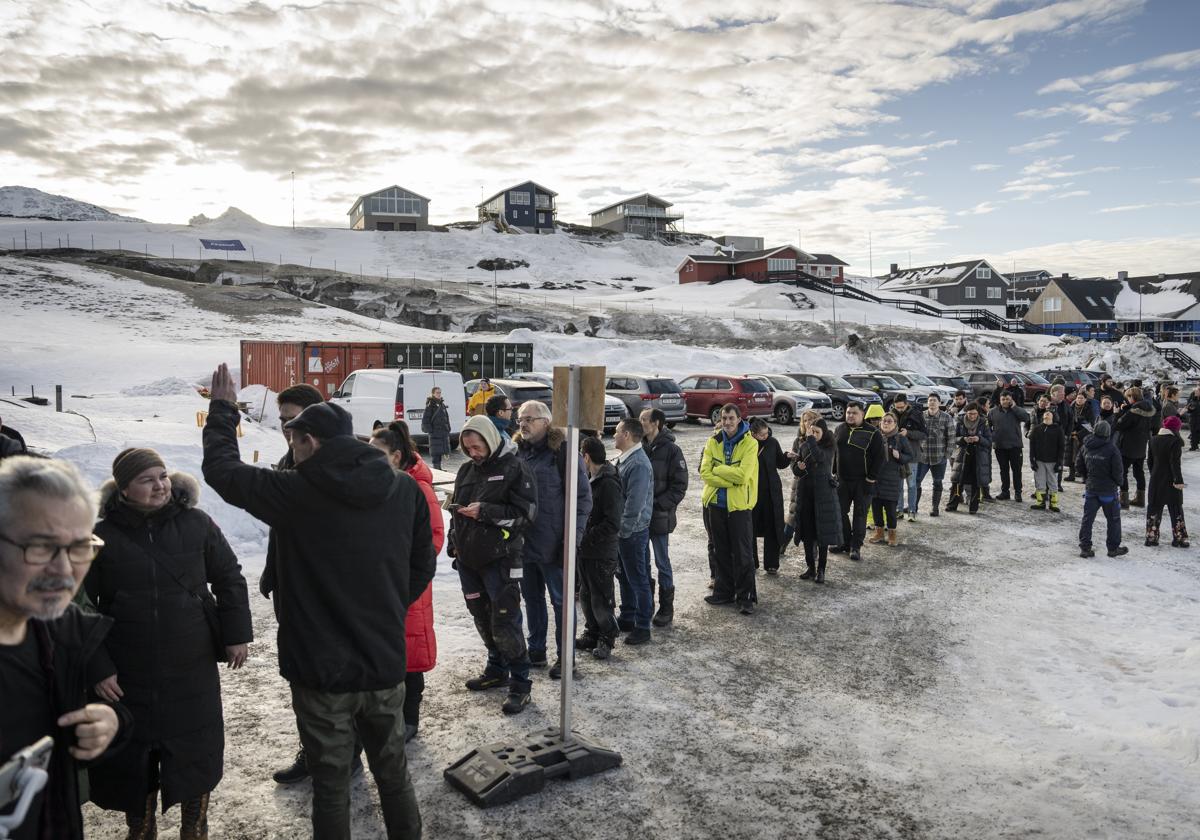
(839, 411)
(670, 425)
(783, 413)
(715, 416)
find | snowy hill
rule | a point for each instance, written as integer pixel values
(28, 203)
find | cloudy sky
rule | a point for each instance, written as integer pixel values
(1041, 133)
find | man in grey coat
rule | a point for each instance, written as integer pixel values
(637, 484)
(1008, 421)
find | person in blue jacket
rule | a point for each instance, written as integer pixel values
(1100, 464)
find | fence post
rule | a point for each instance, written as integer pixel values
(58, 398)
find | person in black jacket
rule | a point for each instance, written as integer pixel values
(971, 470)
(1083, 420)
(1134, 426)
(1008, 423)
(598, 552)
(1193, 419)
(494, 502)
(911, 424)
(355, 549)
(670, 486)
(1047, 448)
(47, 643)
(1100, 464)
(897, 458)
(153, 577)
(815, 513)
(435, 422)
(860, 456)
(768, 508)
(1166, 484)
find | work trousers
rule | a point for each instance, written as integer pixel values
(856, 492)
(733, 553)
(1009, 461)
(1112, 513)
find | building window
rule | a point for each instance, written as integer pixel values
(1052, 304)
(690, 267)
(933, 294)
(541, 218)
(518, 198)
(969, 293)
(993, 292)
(983, 274)
(781, 265)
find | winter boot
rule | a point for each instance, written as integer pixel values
(855, 554)
(1119, 551)
(878, 537)
(193, 819)
(1124, 500)
(587, 641)
(1039, 501)
(1139, 499)
(1054, 503)
(937, 501)
(1003, 497)
(518, 697)
(891, 539)
(976, 495)
(1151, 532)
(1179, 534)
(641, 636)
(603, 648)
(820, 578)
(955, 498)
(1086, 551)
(1017, 496)
(811, 571)
(985, 494)
(298, 772)
(666, 607)
(142, 824)
(486, 680)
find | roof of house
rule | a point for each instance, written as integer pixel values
(739, 256)
(1094, 297)
(1031, 274)
(660, 201)
(826, 259)
(1152, 297)
(385, 189)
(927, 276)
(535, 184)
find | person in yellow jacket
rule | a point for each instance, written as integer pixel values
(729, 469)
(479, 399)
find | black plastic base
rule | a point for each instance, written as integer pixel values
(504, 772)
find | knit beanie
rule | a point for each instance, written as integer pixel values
(1173, 423)
(1103, 430)
(132, 462)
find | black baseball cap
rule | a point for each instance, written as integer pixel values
(323, 421)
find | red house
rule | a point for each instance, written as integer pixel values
(750, 265)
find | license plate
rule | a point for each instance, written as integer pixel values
(416, 415)
(670, 400)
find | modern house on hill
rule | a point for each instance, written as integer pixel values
(1023, 289)
(826, 266)
(974, 284)
(392, 208)
(529, 207)
(750, 265)
(642, 215)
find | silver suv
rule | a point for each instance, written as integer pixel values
(791, 398)
(640, 391)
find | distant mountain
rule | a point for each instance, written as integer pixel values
(28, 203)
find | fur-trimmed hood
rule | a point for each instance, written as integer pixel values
(555, 438)
(185, 492)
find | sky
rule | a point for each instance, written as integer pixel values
(1056, 134)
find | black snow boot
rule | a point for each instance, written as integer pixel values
(976, 494)
(298, 772)
(666, 607)
(820, 578)
(937, 500)
(1086, 551)
(518, 697)
(1119, 551)
(855, 554)
(955, 498)
(811, 571)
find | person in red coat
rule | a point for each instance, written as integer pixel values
(419, 640)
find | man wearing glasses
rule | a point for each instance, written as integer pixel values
(47, 512)
(543, 448)
(499, 410)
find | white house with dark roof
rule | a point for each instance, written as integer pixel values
(973, 284)
(826, 266)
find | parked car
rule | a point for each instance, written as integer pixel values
(706, 393)
(387, 394)
(958, 383)
(1073, 377)
(1034, 384)
(918, 386)
(886, 387)
(639, 391)
(839, 391)
(986, 382)
(518, 392)
(791, 398)
(614, 409)
(546, 379)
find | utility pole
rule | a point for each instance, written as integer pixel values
(293, 199)
(870, 254)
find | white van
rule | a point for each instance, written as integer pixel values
(387, 394)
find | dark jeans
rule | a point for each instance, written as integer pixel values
(637, 604)
(733, 553)
(770, 555)
(501, 634)
(414, 690)
(939, 475)
(854, 527)
(884, 510)
(596, 597)
(539, 579)
(1009, 461)
(1194, 434)
(662, 559)
(328, 723)
(1173, 499)
(1112, 512)
(1139, 475)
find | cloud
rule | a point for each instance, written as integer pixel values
(1070, 194)
(1175, 62)
(1101, 258)
(1115, 137)
(1127, 208)
(980, 209)
(1039, 143)
(984, 167)
(1046, 175)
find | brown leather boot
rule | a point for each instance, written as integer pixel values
(142, 824)
(193, 819)
(1139, 499)
(878, 538)
(892, 537)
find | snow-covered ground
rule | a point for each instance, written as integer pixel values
(979, 681)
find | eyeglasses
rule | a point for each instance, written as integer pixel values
(524, 420)
(40, 553)
(507, 408)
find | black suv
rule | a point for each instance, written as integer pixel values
(838, 389)
(886, 387)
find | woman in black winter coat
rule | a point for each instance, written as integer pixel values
(892, 478)
(814, 512)
(1166, 484)
(153, 578)
(435, 422)
(1134, 424)
(768, 510)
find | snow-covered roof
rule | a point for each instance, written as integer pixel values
(1170, 299)
(535, 185)
(661, 202)
(1094, 297)
(928, 276)
(741, 256)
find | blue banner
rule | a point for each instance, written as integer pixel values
(223, 244)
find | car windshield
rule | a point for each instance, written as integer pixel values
(888, 382)
(837, 382)
(1035, 378)
(532, 392)
(918, 379)
(663, 386)
(785, 383)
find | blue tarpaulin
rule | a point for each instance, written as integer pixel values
(223, 244)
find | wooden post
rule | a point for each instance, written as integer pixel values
(58, 398)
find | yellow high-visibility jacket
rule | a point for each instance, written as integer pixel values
(739, 477)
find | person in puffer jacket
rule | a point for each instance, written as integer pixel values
(1134, 426)
(1100, 464)
(494, 502)
(420, 643)
(897, 457)
(598, 552)
(1047, 448)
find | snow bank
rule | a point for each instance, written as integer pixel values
(171, 385)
